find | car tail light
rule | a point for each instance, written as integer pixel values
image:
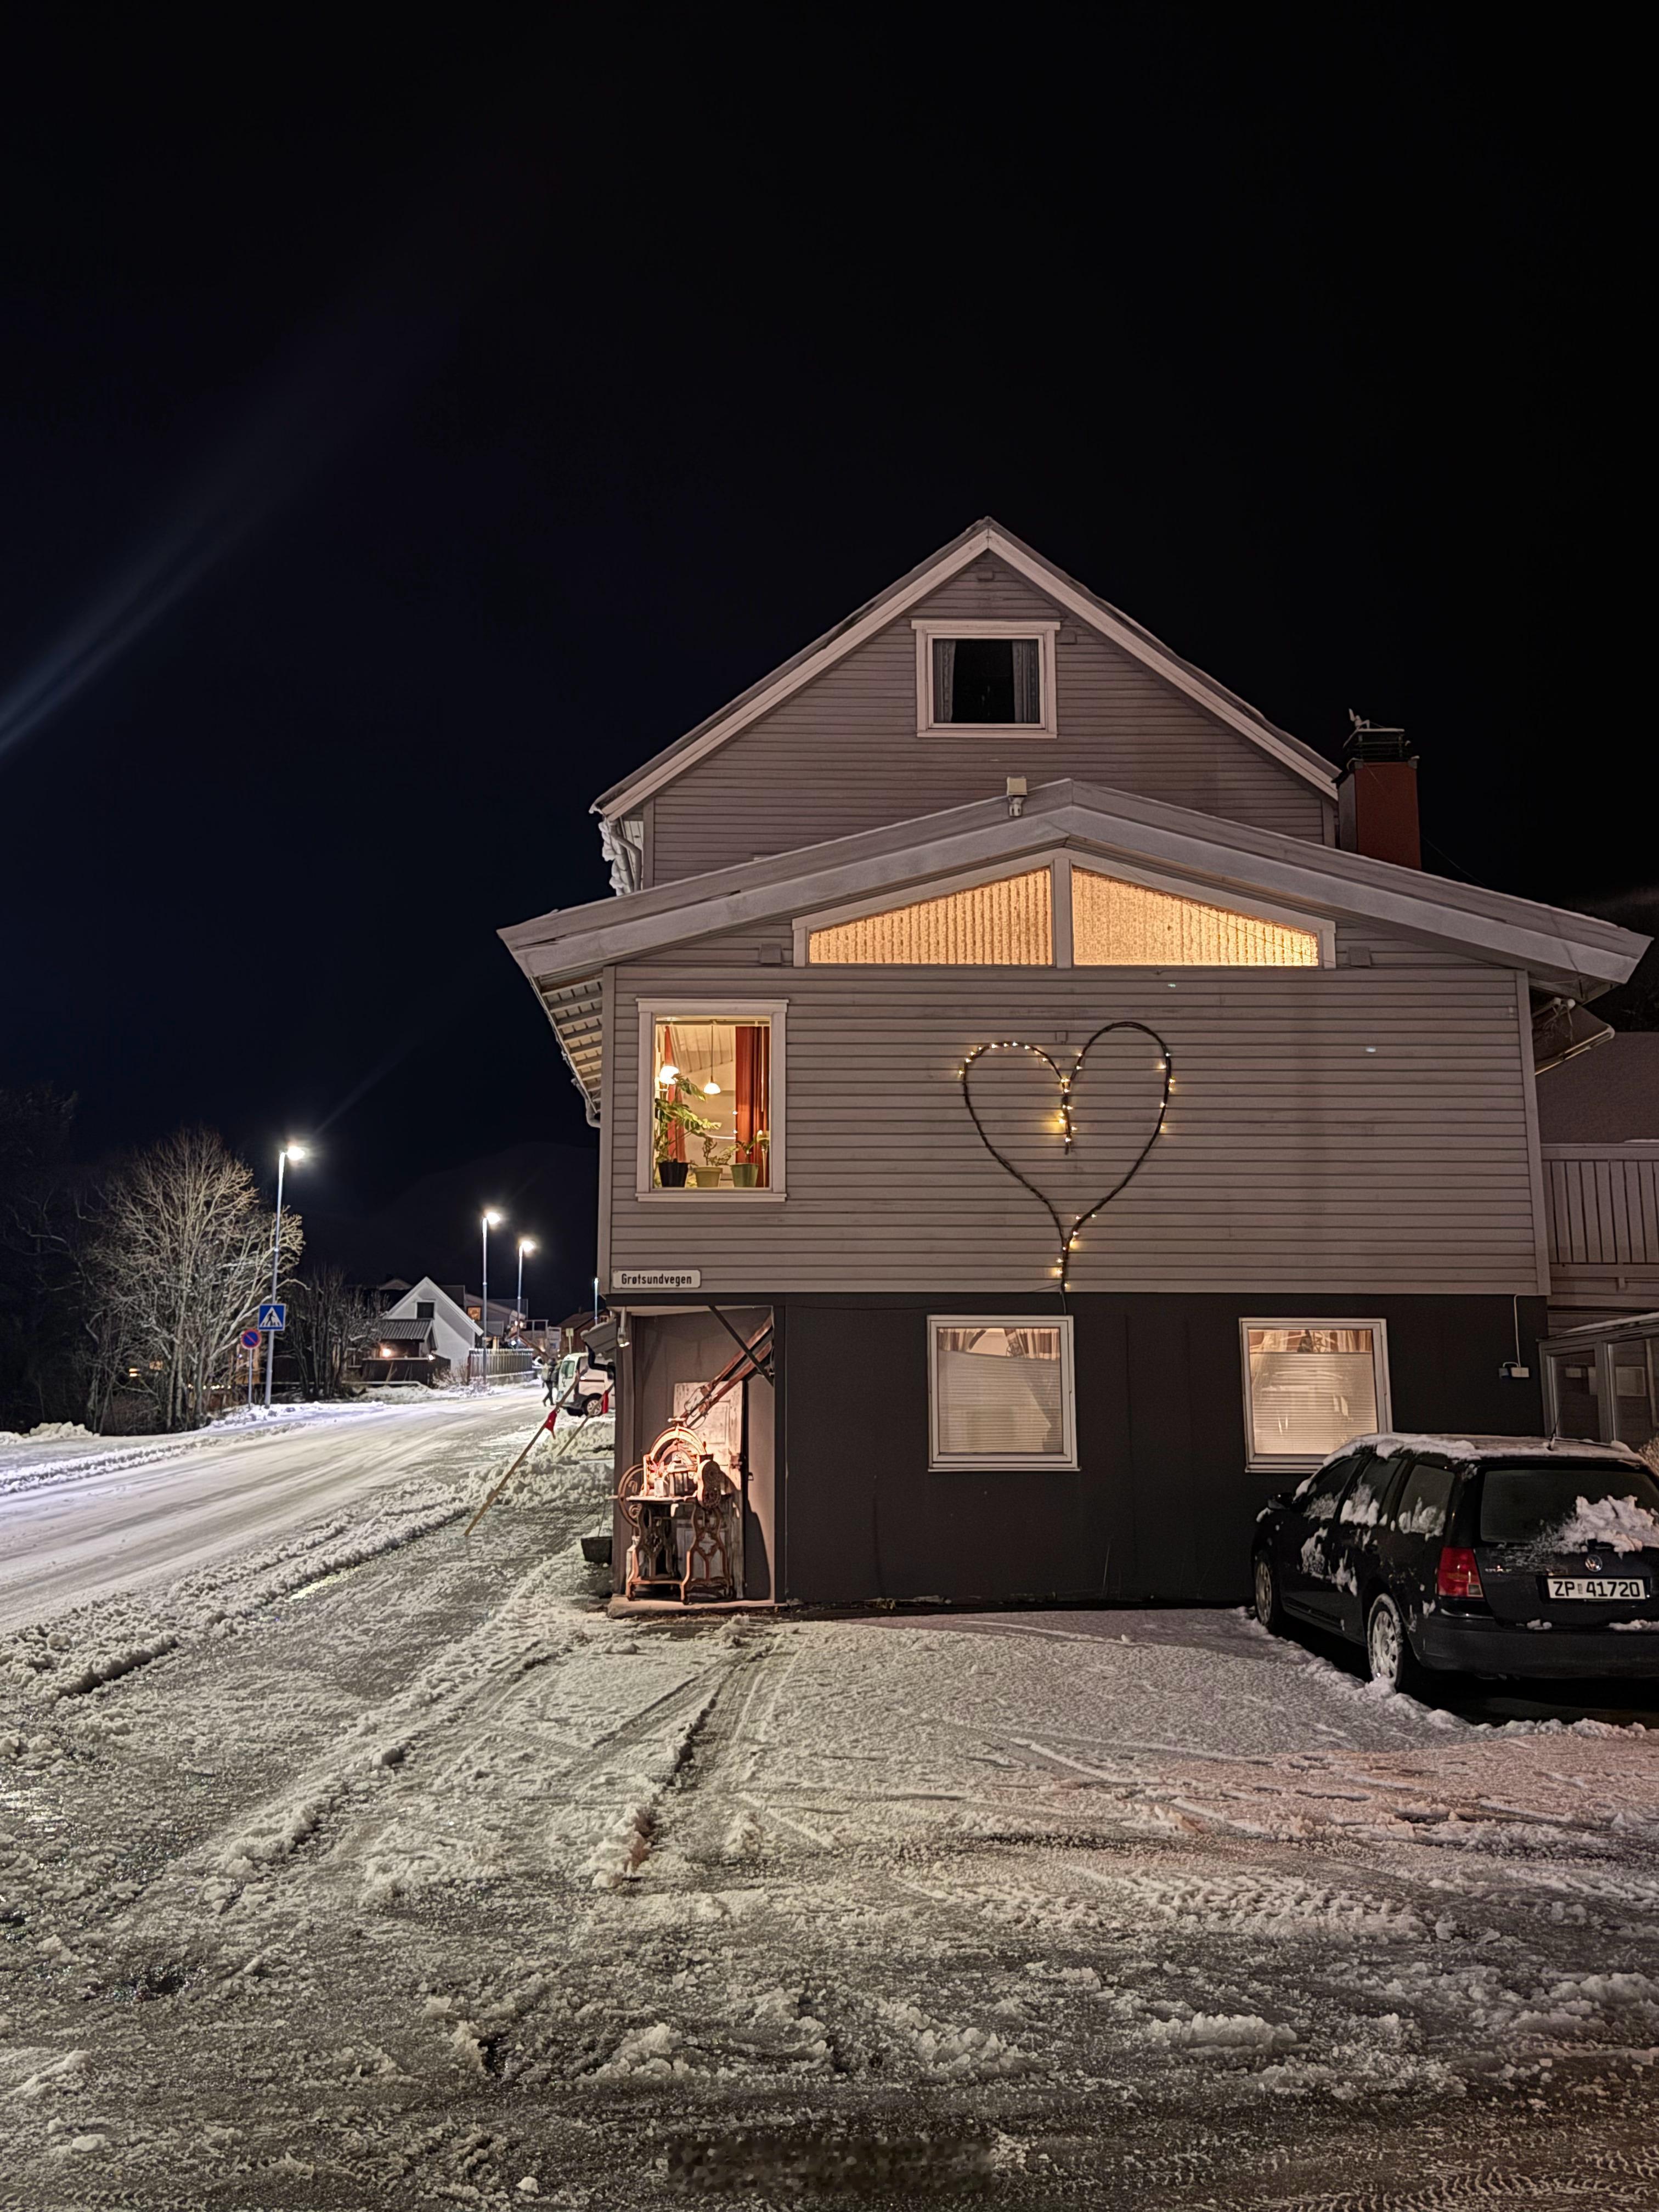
(1459, 1576)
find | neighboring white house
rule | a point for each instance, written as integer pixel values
(454, 1332)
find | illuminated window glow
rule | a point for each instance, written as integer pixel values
(1309, 1387)
(1008, 924)
(1116, 924)
(1001, 1391)
(711, 1114)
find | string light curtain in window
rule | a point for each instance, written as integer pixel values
(1115, 924)
(1008, 924)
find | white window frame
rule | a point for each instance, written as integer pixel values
(1302, 1462)
(926, 631)
(676, 1009)
(1064, 1461)
(1059, 865)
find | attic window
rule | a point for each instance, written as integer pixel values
(987, 679)
(986, 676)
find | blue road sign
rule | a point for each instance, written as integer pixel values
(250, 1340)
(274, 1317)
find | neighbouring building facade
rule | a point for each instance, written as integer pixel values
(1076, 1092)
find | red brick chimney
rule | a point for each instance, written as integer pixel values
(1376, 799)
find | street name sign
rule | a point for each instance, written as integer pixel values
(658, 1279)
(273, 1316)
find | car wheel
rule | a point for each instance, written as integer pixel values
(1387, 1650)
(1265, 1583)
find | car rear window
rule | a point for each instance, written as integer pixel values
(1423, 1502)
(1576, 1502)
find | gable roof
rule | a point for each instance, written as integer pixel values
(563, 953)
(983, 537)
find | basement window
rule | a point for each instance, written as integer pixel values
(711, 1101)
(1311, 1387)
(1002, 1391)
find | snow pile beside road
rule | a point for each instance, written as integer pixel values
(559, 1468)
(48, 1432)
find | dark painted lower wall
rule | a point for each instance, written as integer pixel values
(1162, 1507)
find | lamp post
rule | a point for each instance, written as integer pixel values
(289, 1152)
(526, 1244)
(491, 1220)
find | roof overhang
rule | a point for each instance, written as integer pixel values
(983, 537)
(564, 952)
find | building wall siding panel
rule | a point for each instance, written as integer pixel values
(842, 755)
(1603, 1208)
(1295, 1155)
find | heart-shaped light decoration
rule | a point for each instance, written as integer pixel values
(1066, 1081)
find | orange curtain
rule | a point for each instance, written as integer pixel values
(754, 1043)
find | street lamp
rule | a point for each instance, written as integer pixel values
(491, 1220)
(526, 1244)
(289, 1152)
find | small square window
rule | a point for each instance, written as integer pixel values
(986, 676)
(1001, 1391)
(987, 680)
(1311, 1387)
(425, 1309)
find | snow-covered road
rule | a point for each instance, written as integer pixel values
(79, 1520)
(361, 1865)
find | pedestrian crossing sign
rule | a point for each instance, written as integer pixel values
(273, 1316)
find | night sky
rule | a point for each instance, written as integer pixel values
(401, 440)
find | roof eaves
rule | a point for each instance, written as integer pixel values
(1550, 942)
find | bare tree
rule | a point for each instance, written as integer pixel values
(328, 1322)
(179, 1258)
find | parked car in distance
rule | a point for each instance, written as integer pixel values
(1479, 1555)
(593, 1388)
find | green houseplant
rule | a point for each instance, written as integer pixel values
(746, 1165)
(668, 1115)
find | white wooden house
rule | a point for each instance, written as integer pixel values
(988, 810)
(453, 1331)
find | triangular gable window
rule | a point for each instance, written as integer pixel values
(1118, 924)
(1006, 924)
(1060, 915)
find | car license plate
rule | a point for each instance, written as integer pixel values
(1609, 1589)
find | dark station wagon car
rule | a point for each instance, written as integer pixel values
(1479, 1555)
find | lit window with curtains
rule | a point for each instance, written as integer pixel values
(1311, 1387)
(711, 1103)
(1115, 924)
(1008, 924)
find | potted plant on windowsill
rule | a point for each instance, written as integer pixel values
(716, 1159)
(667, 1116)
(746, 1163)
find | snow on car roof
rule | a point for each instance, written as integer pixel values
(1481, 1446)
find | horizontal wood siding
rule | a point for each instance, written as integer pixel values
(843, 754)
(1603, 1208)
(1295, 1158)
